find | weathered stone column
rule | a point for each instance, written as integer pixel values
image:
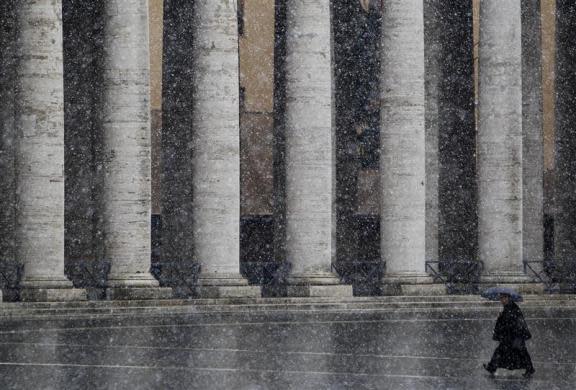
(39, 157)
(310, 154)
(215, 147)
(500, 142)
(126, 152)
(403, 158)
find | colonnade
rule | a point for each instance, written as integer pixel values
(208, 221)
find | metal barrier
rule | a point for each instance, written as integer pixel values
(265, 273)
(182, 275)
(364, 276)
(10, 273)
(459, 276)
(557, 276)
(88, 273)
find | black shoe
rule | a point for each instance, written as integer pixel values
(487, 368)
(529, 372)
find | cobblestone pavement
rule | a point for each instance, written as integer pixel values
(288, 349)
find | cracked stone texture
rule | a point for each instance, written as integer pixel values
(403, 159)
(309, 138)
(500, 137)
(126, 139)
(39, 124)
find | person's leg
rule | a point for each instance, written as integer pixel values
(528, 363)
(492, 366)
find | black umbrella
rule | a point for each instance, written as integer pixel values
(493, 293)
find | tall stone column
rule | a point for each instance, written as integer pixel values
(126, 152)
(39, 157)
(500, 154)
(215, 149)
(403, 157)
(309, 154)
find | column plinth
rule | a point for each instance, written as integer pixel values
(411, 284)
(317, 285)
(39, 162)
(225, 286)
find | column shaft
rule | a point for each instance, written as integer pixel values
(500, 139)
(403, 159)
(215, 148)
(309, 149)
(403, 150)
(39, 154)
(126, 145)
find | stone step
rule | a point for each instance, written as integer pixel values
(192, 307)
(269, 301)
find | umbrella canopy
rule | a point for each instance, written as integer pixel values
(493, 293)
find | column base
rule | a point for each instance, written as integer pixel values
(50, 289)
(225, 286)
(412, 284)
(137, 280)
(138, 286)
(317, 285)
(52, 294)
(517, 281)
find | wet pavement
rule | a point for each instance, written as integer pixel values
(308, 349)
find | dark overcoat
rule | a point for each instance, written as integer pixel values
(512, 332)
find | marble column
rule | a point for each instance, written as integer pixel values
(126, 152)
(500, 142)
(403, 157)
(215, 149)
(39, 157)
(309, 151)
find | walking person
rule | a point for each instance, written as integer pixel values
(511, 331)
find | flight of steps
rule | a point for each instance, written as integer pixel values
(383, 304)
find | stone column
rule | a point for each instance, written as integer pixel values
(39, 157)
(309, 154)
(126, 152)
(500, 142)
(215, 151)
(403, 157)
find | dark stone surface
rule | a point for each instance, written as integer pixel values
(367, 349)
(565, 180)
